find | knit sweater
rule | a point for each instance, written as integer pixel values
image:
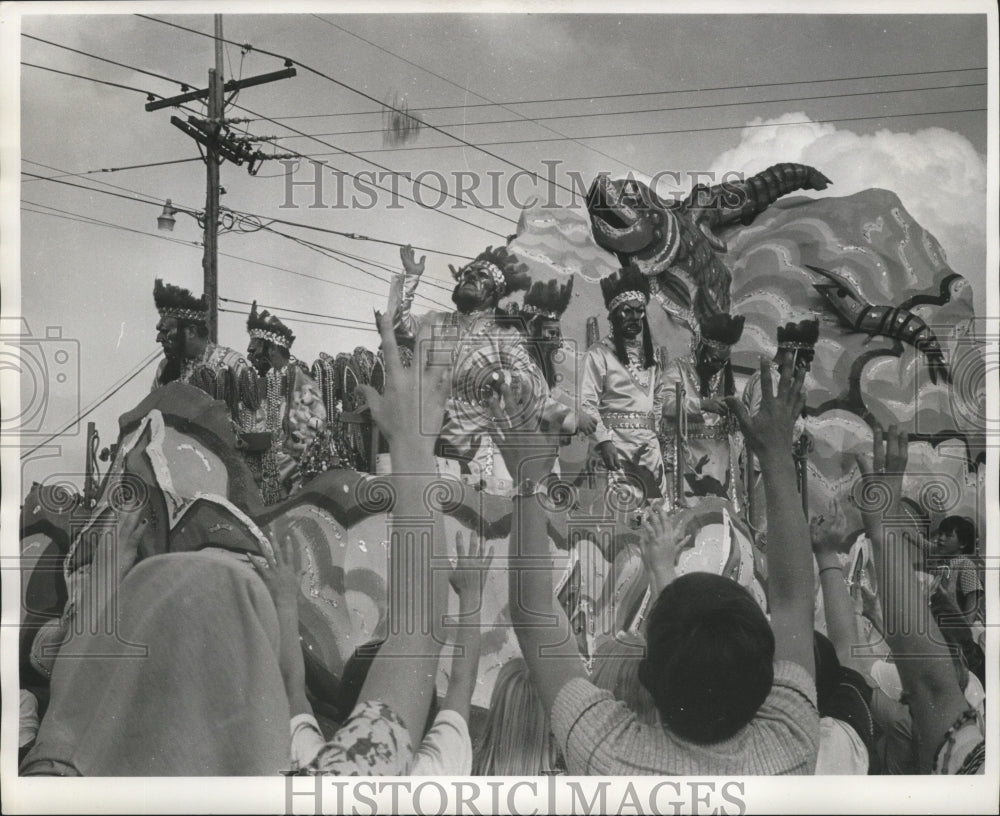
(600, 735)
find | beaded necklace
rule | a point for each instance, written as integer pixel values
(636, 363)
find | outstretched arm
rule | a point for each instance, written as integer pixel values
(924, 663)
(790, 578)
(403, 323)
(467, 579)
(827, 535)
(543, 631)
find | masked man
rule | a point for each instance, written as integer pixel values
(292, 414)
(711, 438)
(622, 388)
(190, 357)
(542, 311)
(486, 347)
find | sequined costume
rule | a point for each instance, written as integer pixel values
(483, 348)
(224, 374)
(711, 447)
(294, 414)
(627, 403)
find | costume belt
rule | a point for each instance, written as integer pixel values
(717, 431)
(632, 420)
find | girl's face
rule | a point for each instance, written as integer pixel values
(946, 543)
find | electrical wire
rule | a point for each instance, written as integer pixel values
(690, 130)
(665, 110)
(369, 97)
(522, 117)
(231, 102)
(145, 199)
(85, 219)
(184, 86)
(274, 308)
(113, 169)
(595, 97)
(148, 94)
(313, 322)
(114, 389)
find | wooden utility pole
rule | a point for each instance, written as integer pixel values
(219, 146)
(210, 260)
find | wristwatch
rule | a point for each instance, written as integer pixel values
(529, 487)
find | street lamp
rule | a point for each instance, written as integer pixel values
(227, 221)
(165, 220)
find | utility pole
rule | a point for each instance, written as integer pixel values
(210, 260)
(213, 134)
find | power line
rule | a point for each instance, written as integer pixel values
(295, 311)
(342, 151)
(148, 94)
(693, 130)
(95, 405)
(313, 322)
(86, 219)
(326, 144)
(66, 174)
(594, 97)
(522, 117)
(115, 169)
(324, 250)
(143, 198)
(370, 98)
(185, 86)
(336, 255)
(666, 110)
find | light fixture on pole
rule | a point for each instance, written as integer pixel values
(165, 220)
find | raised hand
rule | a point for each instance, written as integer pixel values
(884, 471)
(660, 543)
(410, 411)
(280, 576)
(769, 431)
(468, 577)
(410, 264)
(828, 531)
(528, 446)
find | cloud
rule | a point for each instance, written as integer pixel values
(937, 174)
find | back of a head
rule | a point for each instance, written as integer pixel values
(710, 657)
(516, 739)
(616, 669)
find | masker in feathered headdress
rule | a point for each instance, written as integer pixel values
(265, 326)
(179, 303)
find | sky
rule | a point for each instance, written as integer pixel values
(896, 101)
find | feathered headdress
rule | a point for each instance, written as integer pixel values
(508, 273)
(266, 326)
(178, 302)
(626, 286)
(548, 298)
(801, 336)
(722, 330)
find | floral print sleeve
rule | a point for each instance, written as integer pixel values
(373, 741)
